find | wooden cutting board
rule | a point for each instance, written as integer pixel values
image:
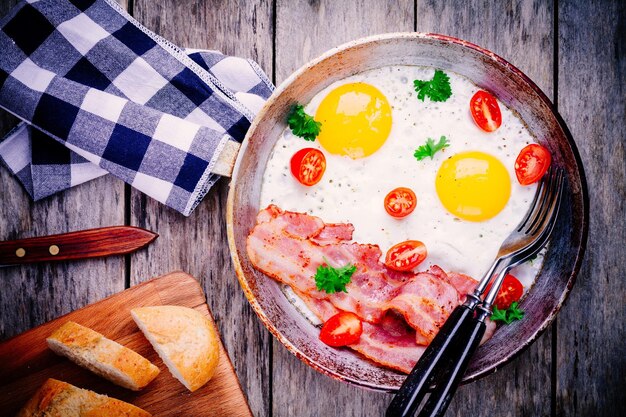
(26, 362)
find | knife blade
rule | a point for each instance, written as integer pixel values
(91, 243)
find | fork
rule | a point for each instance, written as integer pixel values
(446, 358)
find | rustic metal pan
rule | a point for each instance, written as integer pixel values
(488, 71)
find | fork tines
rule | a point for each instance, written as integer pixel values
(544, 202)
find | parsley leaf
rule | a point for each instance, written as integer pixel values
(498, 315)
(509, 315)
(333, 280)
(302, 124)
(437, 89)
(431, 148)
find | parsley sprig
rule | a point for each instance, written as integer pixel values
(431, 148)
(333, 280)
(437, 89)
(302, 124)
(509, 315)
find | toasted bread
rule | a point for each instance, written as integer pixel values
(102, 356)
(60, 399)
(184, 338)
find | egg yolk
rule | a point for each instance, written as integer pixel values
(356, 120)
(473, 186)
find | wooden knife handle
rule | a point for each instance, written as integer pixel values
(92, 243)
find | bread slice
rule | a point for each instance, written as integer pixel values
(184, 338)
(102, 356)
(60, 399)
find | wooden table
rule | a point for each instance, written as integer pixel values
(574, 50)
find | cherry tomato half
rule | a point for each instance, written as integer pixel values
(342, 329)
(308, 166)
(532, 163)
(400, 202)
(510, 291)
(406, 255)
(485, 111)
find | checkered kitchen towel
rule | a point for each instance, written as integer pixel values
(101, 93)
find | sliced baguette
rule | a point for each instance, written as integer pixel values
(102, 356)
(60, 399)
(184, 338)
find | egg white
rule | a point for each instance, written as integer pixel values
(353, 191)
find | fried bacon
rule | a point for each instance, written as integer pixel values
(390, 343)
(402, 311)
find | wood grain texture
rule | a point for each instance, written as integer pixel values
(198, 244)
(522, 33)
(591, 347)
(80, 244)
(22, 374)
(33, 294)
(303, 31)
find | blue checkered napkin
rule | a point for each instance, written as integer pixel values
(100, 93)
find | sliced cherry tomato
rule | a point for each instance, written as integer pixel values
(400, 202)
(510, 291)
(342, 329)
(485, 111)
(532, 163)
(406, 255)
(308, 166)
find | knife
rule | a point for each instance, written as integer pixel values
(92, 243)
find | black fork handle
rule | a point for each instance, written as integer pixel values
(440, 398)
(415, 386)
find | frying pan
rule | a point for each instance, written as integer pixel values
(488, 71)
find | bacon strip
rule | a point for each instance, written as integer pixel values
(425, 302)
(289, 247)
(333, 233)
(282, 246)
(390, 343)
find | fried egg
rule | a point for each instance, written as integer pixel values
(468, 200)
(473, 185)
(356, 120)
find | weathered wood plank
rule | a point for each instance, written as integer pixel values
(303, 31)
(198, 244)
(591, 376)
(21, 375)
(33, 294)
(522, 33)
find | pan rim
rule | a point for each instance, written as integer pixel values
(584, 221)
